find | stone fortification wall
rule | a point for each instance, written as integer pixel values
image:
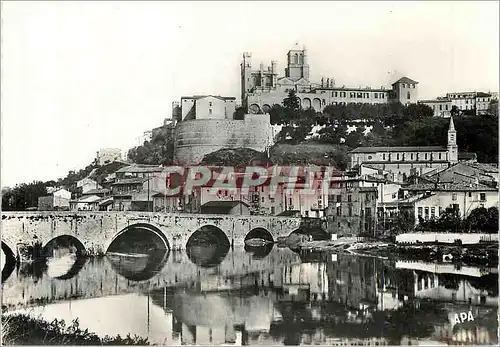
(196, 138)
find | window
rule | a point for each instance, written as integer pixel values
(360, 95)
(382, 95)
(350, 211)
(352, 95)
(335, 94)
(324, 102)
(408, 96)
(446, 107)
(262, 199)
(440, 210)
(383, 156)
(470, 195)
(209, 111)
(272, 210)
(210, 104)
(454, 196)
(370, 157)
(425, 156)
(420, 211)
(433, 212)
(439, 156)
(411, 156)
(397, 156)
(376, 95)
(440, 107)
(339, 211)
(349, 197)
(426, 213)
(482, 196)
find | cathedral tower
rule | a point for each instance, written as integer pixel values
(452, 143)
(246, 76)
(297, 64)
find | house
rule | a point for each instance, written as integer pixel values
(58, 200)
(225, 207)
(352, 205)
(207, 107)
(85, 203)
(431, 200)
(87, 184)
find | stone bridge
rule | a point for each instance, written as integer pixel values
(95, 231)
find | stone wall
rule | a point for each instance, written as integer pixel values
(96, 230)
(196, 138)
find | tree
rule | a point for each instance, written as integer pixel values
(23, 196)
(239, 113)
(291, 106)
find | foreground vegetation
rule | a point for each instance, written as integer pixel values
(21, 329)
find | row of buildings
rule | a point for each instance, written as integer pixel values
(263, 87)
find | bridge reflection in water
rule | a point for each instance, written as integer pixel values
(281, 298)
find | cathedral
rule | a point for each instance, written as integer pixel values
(262, 88)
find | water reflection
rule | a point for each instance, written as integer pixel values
(138, 267)
(283, 298)
(259, 252)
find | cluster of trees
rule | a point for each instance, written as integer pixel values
(160, 150)
(392, 124)
(23, 196)
(479, 220)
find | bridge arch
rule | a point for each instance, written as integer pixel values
(207, 246)
(8, 261)
(259, 233)
(140, 227)
(67, 240)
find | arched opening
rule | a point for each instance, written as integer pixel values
(8, 261)
(317, 105)
(259, 234)
(259, 242)
(63, 245)
(254, 109)
(306, 103)
(140, 268)
(266, 108)
(139, 239)
(207, 246)
(296, 58)
(311, 233)
(61, 258)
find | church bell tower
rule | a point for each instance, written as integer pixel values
(452, 143)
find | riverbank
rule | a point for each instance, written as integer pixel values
(477, 255)
(22, 329)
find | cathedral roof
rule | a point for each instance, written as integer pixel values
(399, 149)
(452, 125)
(405, 80)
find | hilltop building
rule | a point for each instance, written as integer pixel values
(262, 88)
(478, 102)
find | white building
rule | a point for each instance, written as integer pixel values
(87, 184)
(207, 107)
(108, 155)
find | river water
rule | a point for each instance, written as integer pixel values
(273, 296)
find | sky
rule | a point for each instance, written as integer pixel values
(80, 76)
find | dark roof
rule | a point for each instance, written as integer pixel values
(135, 180)
(197, 97)
(220, 207)
(140, 168)
(434, 100)
(289, 213)
(466, 155)
(452, 187)
(347, 89)
(405, 80)
(143, 196)
(97, 191)
(482, 94)
(399, 149)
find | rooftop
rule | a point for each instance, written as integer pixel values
(405, 80)
(399, 149)
(140, 168)
(197, 97)
(135, 180)
(220, 207)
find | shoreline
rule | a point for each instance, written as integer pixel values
(483, 255)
